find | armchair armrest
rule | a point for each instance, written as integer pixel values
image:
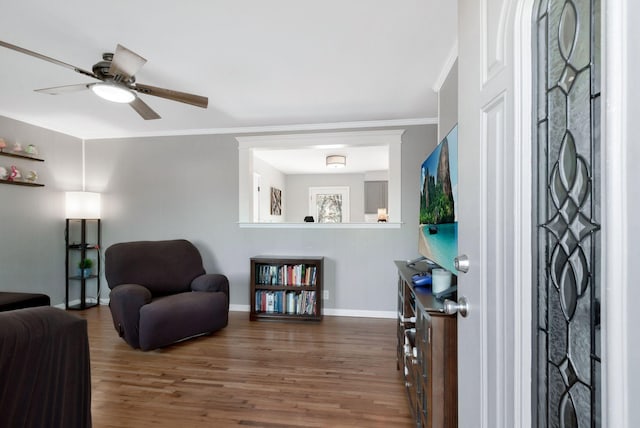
(125, 301)
(211, 282)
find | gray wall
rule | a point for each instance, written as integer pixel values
(448, 103)
(32, 218)
(171, 187)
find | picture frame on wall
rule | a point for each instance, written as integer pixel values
(276, 201)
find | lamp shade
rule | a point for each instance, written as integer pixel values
(82, 204)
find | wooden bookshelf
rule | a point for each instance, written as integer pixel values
(286, 288)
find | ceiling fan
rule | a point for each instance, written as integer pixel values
(116, 73)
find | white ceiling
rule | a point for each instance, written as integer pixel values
(263, 64)
(359, 159)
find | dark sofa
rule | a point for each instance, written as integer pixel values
(45, 378)
(160, 293)
(10, 301)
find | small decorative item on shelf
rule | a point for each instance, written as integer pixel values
(31, 150)
(3, 173)
(14, 174)
(32, 176)
(382, 215)
(17, 148)
(85, 266)
(3, 145)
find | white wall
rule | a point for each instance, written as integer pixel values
(171, 187)
(270, 177)
(32, 224)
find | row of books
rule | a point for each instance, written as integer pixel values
(286, 302)
(288, 275)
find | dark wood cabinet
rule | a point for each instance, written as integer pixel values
(286, 288)
(82, 241)
(427, 353)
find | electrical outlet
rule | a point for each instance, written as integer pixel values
(325, 295)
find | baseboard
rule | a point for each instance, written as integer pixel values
(77, 302)
(335, 312)
(360, 313)
(245, 308)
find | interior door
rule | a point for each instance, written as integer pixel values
(490, 361)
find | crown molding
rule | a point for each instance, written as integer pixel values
(446, 68)
(280, 128)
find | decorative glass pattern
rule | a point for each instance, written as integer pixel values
(567, 212)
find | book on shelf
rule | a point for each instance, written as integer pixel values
(286, 302)
(287, 275)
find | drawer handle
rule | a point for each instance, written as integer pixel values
(404, 320)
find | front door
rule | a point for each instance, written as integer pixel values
(499, 214)
(493, 203)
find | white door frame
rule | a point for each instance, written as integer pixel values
(617, 341)
(523, 274)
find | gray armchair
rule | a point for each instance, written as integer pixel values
(160, 293)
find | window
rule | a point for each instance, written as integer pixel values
(329, 204)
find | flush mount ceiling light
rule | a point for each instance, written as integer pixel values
(114, 93)
(336, 161)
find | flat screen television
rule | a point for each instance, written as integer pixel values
(438, 224)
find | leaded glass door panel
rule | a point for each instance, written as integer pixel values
(568, 213)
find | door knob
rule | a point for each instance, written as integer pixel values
(461, 263)
(451, 307)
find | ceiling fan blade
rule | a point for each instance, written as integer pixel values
(183, 97)
(47, 58)
(143, 109)
(64, 89)
(125, 63)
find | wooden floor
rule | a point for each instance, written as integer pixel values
(340, 372)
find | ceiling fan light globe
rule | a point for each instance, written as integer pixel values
(113, 93)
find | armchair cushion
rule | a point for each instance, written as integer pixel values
(162, 322)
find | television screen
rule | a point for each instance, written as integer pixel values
(438, 229)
